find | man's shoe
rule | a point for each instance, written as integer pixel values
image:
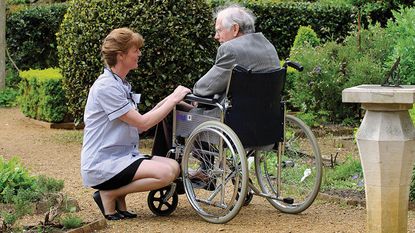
(210, 185)
(200, 179)
(199, 174)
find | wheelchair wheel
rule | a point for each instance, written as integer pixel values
(215, 154)
(157, 203)
(292, 179)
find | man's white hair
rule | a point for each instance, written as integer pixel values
(236, 14)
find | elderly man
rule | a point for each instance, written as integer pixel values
(235, 30)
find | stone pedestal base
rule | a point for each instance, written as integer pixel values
(386, 142)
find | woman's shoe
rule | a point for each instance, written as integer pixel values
(116, 216)
(125, 213)
(98, 200)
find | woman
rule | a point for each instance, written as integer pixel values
(110, 160)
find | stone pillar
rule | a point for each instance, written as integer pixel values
(386, 142)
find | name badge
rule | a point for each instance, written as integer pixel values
(136, 98)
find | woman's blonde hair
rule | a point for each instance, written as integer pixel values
(119, 40)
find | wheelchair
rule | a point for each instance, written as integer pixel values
(252, 125)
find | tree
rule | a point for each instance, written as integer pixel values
(2, 44)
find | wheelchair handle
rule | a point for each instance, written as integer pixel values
(294, 65)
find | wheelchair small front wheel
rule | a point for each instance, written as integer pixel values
(159, 204)
(215, 172)
(292, 178)
(249, 195)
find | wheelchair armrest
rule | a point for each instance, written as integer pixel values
(203, 100)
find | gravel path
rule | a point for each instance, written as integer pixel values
(42, 151)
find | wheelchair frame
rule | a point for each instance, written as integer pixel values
(288, 175)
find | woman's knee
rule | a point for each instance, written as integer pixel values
(164, 171)
(174, 165)
(172, 174)
(176, 168)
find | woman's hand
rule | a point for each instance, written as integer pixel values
(179, 93)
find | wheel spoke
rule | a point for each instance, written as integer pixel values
(160, 206)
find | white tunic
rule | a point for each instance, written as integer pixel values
(110, 145)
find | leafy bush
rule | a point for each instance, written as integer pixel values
(48, 185)
(13, 176)
(12, 77)
(19, 188)
(306, 35)
(179, 45)
(332, 67)
(30, 35)
(42, 96)
(402, 34)
(8, 97)
(71, 221)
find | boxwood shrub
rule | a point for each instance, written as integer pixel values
(30, 35)
(178, 48)
(42, 96)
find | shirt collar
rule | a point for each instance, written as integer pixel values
(113, 75)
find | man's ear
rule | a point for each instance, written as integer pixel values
(235, 29)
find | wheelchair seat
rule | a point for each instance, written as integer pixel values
(256, 112)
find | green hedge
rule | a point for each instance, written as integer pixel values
(280, 21)
(42, 96)
(178, 49)
(30, 35)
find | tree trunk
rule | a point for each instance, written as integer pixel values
(2, 44)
